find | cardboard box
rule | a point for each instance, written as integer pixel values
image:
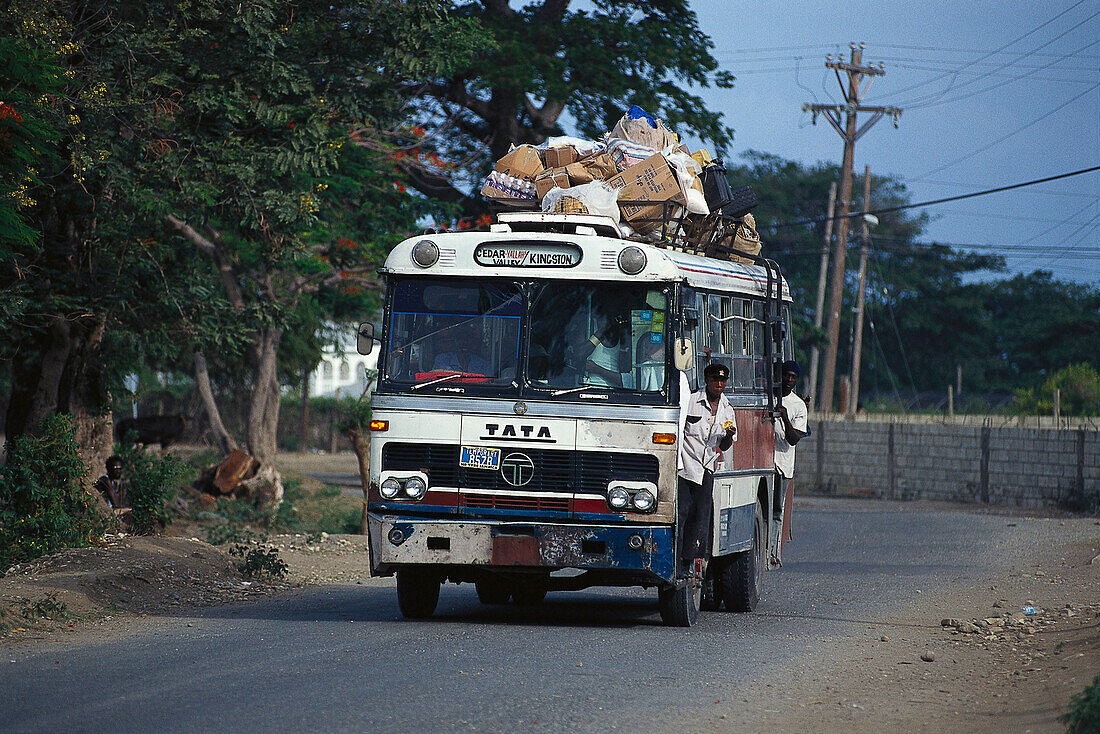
(602, 166)
(578, 174)
(550, 178)
(560, 156)
(524, 164)
(652, 180)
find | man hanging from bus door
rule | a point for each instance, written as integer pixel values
(790, 428)
(709, 428)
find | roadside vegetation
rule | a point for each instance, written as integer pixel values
(1084, 714)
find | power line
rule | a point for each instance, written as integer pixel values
(1008, 135)
(967, 50)
(938, 100)
(819, 220)
(995, 51)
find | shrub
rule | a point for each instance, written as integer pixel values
(259, 562)
(154, 481)
(1084, 714)
(1080, 393)
(44, 506)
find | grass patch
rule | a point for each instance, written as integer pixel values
(309, 511)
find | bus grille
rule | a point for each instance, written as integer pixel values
(555, 471)
(511, 502)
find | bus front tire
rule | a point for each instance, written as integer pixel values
(680, 605)
(742, 579)
(712, 589)
(417, 591)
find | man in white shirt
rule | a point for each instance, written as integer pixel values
(709, 428)
(790, 428)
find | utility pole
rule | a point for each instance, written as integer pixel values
(819, 307)
(857, 339)
(850, 134)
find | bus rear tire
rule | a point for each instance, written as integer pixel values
(417, 591)
(530, 592)
(492, 591)
(680, 605)
(742, 578)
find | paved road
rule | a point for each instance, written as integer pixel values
(341, 658)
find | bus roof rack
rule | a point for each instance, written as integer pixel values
(668, 225)
(529, 221)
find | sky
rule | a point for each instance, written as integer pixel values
(992, 93)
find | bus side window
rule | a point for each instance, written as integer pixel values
(741, 373)
(758, 349)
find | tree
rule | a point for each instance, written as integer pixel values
(543, 62)
(247, 112)
(218, 125)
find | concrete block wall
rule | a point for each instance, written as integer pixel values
(1027, 467)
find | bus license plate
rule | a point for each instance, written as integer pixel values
(479, 457)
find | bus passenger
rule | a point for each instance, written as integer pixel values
(604, 360)
(790, 428)
(709, 428)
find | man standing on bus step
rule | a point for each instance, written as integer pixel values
(709, 428)
(790, 428)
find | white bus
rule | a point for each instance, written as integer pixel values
(526, 422)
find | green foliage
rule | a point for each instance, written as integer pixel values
(154, 482)
(46, 607)
(259, 562)
(325, 510)
(527, 66)
(1080, 393)
(1084, 714)
(44, 506)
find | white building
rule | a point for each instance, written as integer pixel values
(343, 371)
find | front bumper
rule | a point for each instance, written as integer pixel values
(489, 545)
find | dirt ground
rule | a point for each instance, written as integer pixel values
(987, 666)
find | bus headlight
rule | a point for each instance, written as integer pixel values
(390, 488)
(644, 500)
(416, 488)
(618, 498)
(425, 253)
(631, 260)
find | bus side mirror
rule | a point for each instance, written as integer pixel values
(683, 354)
(365, 338)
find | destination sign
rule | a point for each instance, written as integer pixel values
(527, 255)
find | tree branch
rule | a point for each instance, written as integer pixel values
(209, 247)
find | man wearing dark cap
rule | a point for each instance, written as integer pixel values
(709, 428)
(790, 427)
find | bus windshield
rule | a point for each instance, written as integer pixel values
(577, 336)
(599, 335)
(457, 331)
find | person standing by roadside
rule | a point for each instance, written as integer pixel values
(790, 428)
(709, 429)
(115, 489)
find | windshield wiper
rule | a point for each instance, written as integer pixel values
(437, 380)
(575, 389)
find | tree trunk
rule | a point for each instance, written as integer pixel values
(84, 395)
(303, 428)
(48, 387)
(360, 442)
(263, 410)
(225, 442)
